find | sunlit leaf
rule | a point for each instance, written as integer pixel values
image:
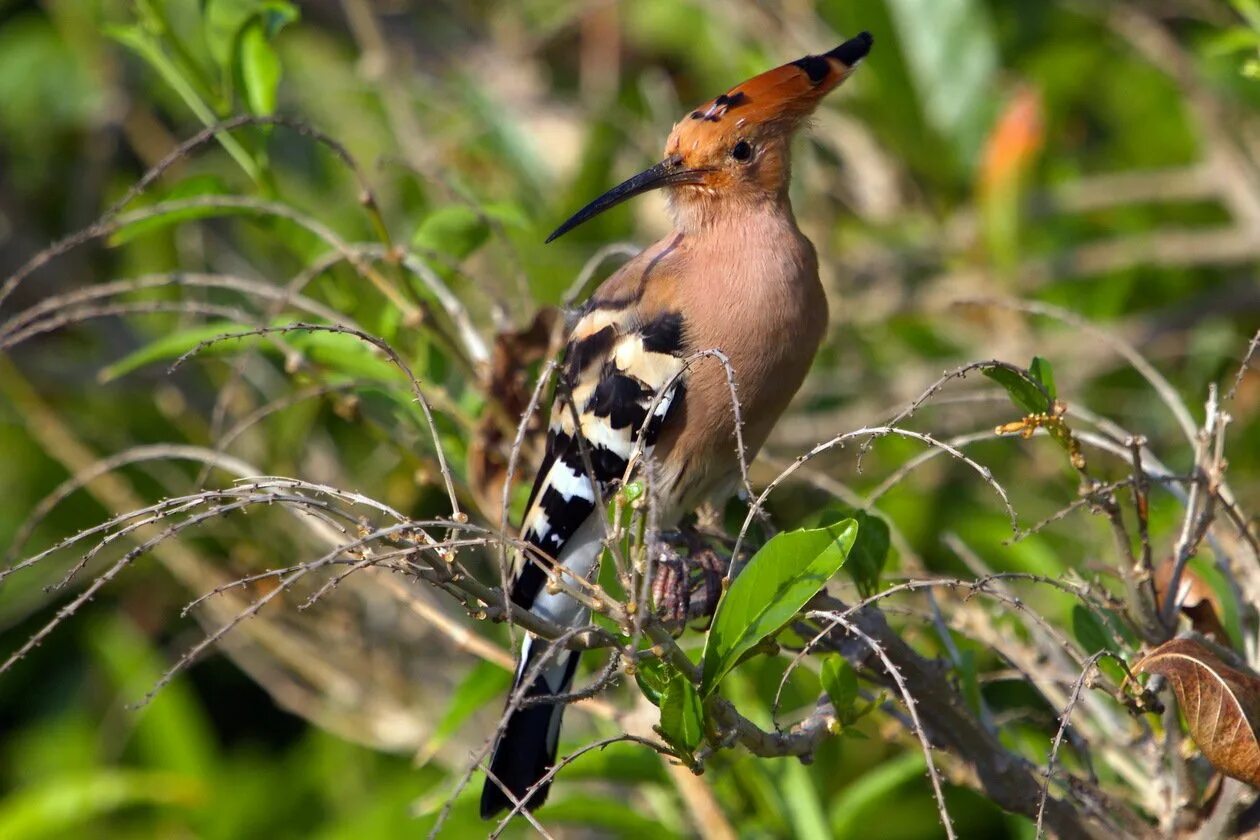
(226, 20)
(779, 580)
(1221, 704)
(149, 48)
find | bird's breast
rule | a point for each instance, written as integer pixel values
(764, 309)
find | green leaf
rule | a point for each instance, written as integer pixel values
(632, 491)
(869, 553)
(1090, 631)
(604, 817)
(507, 214)
(859, 804)
(172, 732)
(457, 230)
(169, 347)
(345, 354)
(951, 53)
(260, 70)
(1250, 10)
(779, 580)
(146, 46)
(197, 185)
(652, 675)
(1041, 372)
(1022, 388)
(223, 21)
(803, 804)
(67, 805)
(682, 717)
(839, 680)
(1230, 41)
(483, 683)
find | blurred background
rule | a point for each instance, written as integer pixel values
(991, 167)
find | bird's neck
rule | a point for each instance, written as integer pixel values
(700, 212)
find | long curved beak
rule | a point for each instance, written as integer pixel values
(667, 172)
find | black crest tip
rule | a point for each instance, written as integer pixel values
(853, 50)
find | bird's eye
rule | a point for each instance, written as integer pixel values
(742, 151)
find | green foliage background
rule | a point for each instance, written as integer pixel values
(479, 126)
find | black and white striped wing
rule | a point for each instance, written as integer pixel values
(613, 373)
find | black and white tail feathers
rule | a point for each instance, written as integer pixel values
(526, 749)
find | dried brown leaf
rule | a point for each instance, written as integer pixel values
(1199, 601)
(507, 384)
(1221, 704)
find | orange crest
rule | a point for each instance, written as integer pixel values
(772, 102)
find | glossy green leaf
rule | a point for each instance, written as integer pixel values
(779, 580)
(145, 45)
(226, 20)
(682, 716)
(223, 22)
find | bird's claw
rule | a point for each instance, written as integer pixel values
(688, 587)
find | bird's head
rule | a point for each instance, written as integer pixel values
(736, 147)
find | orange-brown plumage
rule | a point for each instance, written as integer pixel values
(735, 275)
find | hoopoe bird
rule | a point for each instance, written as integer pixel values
(736, 275)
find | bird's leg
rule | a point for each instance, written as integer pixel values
(687, 587)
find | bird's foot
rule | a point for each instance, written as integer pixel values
(687, 587)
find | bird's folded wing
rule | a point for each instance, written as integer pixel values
(620, 382)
